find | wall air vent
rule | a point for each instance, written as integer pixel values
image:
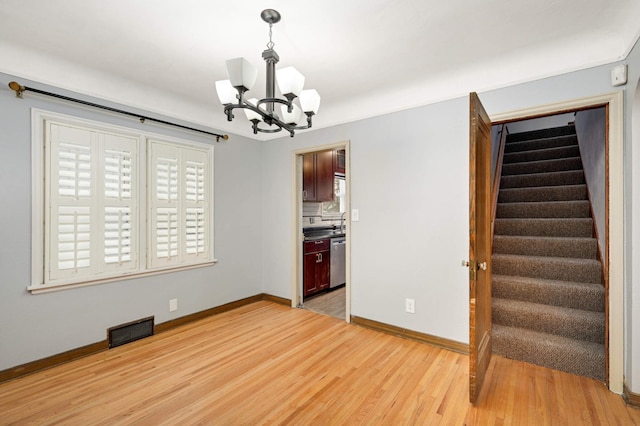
(131, 331)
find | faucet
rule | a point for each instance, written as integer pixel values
(342, 224)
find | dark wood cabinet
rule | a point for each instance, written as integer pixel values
(309, 177)
(316, 266)
(340, 166)
(317, 176)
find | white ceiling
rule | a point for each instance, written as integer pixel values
(365, 57)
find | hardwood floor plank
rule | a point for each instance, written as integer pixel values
(266, 363)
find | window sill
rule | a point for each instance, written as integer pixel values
(48, 288)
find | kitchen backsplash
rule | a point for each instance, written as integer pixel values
(312, 216)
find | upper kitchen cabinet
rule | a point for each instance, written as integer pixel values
(317, 176)
(340, 166)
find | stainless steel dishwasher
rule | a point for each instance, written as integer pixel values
(338, 271)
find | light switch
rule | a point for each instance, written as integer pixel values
(619, 75)
(355, 215)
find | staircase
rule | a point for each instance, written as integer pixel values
(548, 300)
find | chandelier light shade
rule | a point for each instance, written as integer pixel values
(290, 81)
(226, 92)
(241, 73)
(263, 114)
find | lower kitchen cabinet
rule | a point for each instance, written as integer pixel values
(316, 266)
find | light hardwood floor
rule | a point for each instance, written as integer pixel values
(269, 364)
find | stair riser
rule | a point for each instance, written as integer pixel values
(542, 154)
(588, 297)
(573, 177)
(589, 327)
(544, 166)
(545, 193)
(582, 248)
(584, 270)
(582, 228)
(563, 209)
(535, 144)
(568, 358)
(542, 134)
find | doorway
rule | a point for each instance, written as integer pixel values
(321, 230)
(614, 207)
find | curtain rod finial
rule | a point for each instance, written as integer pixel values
(17, 88)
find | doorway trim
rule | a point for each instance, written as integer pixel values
(615, 136)
(296, 231)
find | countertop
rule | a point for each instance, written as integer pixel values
(320, 233)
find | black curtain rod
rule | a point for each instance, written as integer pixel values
(20, 89)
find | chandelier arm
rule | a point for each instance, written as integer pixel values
(308, 126)
(267, 118)
(274, 100)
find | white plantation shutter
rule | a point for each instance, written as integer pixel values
(179, 198)
(110, 202)
(91, 193)
(72, 166)
(196, 204)
(119, 204)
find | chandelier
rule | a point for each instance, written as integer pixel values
(242, 76)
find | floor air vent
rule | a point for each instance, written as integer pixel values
(131, 331)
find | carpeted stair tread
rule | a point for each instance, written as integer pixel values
(556, 352)
(568, 294)
(543, 193)
(541, 143)
(579, 248)
(542, 154)
(570, 177)
(545, 227)
(560, 321)
(568, 130)
(560, 268)
(542, 166)
(544, 209)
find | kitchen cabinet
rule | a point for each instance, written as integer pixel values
(340, 166)
(317, 176)
(316, 266)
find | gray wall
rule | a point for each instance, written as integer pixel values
(591, 127)
(36, 326)
(409, 180)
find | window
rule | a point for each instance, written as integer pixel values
(333, 209)
(111, 202)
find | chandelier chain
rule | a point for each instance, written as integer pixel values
(271, 43)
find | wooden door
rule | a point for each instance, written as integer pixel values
(479, 246)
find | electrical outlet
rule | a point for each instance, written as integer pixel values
(410, 306)
(173, 305)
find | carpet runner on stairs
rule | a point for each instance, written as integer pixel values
(548, 300)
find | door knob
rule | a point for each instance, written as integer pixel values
(465, 263)
(482, 266)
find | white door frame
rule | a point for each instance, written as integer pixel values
(296, 230)
(615, 104)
